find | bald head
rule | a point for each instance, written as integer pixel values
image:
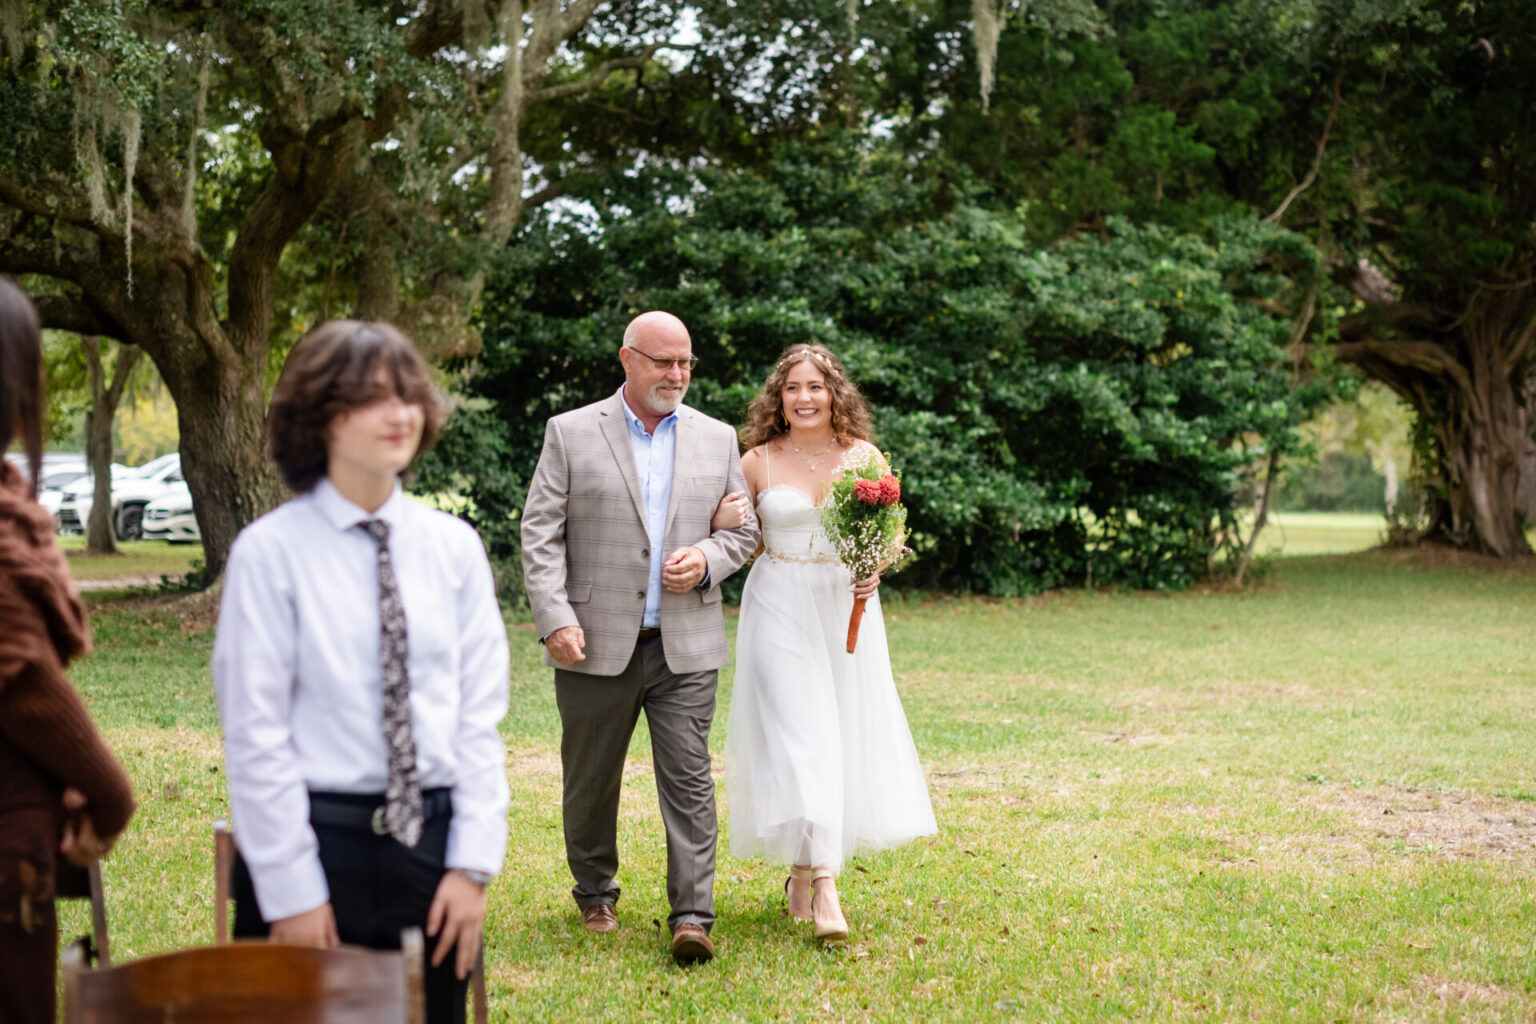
(656, 328)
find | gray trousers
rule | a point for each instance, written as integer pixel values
(598, 716)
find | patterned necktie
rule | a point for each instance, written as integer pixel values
(402, 793)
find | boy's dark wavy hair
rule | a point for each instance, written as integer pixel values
(333, 370)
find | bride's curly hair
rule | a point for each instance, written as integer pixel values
(850, 413)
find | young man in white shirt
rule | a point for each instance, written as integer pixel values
(361, 673)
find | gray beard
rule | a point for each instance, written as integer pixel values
(664, 406)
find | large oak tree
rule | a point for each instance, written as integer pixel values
(197, 178)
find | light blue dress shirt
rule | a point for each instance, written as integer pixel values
(654, 457)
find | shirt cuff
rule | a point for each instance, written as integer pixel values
(291, 889)
(475, 849)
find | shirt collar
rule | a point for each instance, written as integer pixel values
(343, 515)
(635, 426)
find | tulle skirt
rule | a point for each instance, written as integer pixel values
(819, 762)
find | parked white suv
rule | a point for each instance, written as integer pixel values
(56, 475)
(131, 492)
(59, 470)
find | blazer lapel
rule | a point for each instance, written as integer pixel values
(681, 460)
(616, 430)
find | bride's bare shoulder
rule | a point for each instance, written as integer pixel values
(861, 451)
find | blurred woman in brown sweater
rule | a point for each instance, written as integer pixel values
(63, 798)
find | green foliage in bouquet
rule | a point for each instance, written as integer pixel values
(865, 520)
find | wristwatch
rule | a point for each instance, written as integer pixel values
(480, 878)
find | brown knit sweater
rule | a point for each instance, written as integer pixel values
(47, 741)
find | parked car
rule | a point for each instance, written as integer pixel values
(59, 470)
(131, 492)
(58, 474)
(169, 517)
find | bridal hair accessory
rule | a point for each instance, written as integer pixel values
(867, 524)
(796, 356)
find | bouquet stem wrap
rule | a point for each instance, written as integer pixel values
(854, 620)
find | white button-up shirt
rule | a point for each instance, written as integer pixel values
(654, 455)
(297, 671)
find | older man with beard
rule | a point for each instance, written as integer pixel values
(623, 577)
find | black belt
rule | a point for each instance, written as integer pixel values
(650, 633)
(366, 810)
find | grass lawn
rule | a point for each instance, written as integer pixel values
(1321, 533)
(137, 562)
(1309, 801)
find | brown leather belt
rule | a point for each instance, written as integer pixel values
(650, 633)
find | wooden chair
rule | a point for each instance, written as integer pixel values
(251, 981)
(223, 865)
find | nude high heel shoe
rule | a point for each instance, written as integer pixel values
(799, 899)
(830, 926)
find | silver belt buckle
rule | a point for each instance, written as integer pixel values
(377, 822)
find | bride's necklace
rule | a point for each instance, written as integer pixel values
(813, 460)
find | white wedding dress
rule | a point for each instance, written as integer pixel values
(819, 762)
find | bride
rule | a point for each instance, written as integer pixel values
(819, 762)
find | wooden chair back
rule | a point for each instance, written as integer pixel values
(252, 981)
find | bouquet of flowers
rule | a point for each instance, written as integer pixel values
(867, 524)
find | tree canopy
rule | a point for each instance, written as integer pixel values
(1062, 416)
(205, 182)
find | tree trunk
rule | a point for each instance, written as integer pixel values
(224, 456)
(1469, 386)
(1480, 445)
(1482, 434)
(213, 371)
(98, 454)
(100, 538)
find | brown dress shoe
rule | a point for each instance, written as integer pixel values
(691, 945)
(599, 917)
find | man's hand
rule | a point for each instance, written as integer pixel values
(312, 928)
(683, 570)
(457, 914)
(566, 645)
(80, 843)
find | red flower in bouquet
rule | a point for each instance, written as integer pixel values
(890, 490)
(870, 491)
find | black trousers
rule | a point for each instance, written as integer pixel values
(378, 888)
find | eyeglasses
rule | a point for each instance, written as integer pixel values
(687, 363)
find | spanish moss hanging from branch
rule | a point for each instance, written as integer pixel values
(13, 27)
(132, 124)
(199, 112)
(986, 27)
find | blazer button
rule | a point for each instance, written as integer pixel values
(640, 594)
(645, 552)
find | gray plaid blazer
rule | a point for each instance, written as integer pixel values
(586, 552)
